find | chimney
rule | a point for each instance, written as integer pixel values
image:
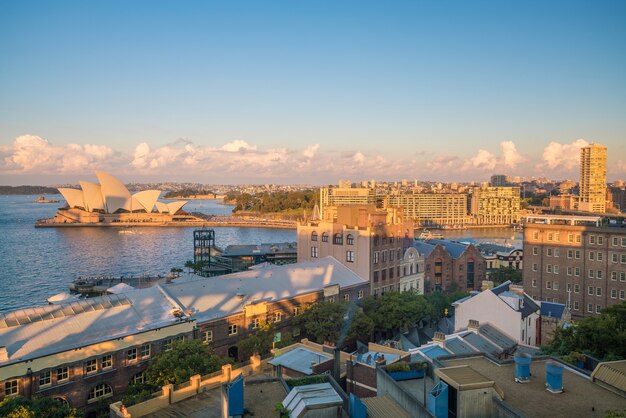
(517, 289)
(4, 354)
(439, 337)
(473, 324)
(486, 284)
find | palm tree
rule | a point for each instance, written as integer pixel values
(189, 264)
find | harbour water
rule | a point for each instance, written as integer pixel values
(38, 263)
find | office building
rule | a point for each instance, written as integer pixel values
(592, 179)
(575, 260)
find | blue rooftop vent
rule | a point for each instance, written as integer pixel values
(554, 377)
(522, 367)
(438, 400)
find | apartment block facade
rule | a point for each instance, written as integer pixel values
(576, 261)
(369, 241)
(592, 179)
(495, 205)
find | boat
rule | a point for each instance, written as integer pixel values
(42, 199)
(426, 234)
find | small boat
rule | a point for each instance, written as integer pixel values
(42, 199)
(426, 234)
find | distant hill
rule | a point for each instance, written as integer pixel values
(39, 190)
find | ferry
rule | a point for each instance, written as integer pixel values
(426, 234)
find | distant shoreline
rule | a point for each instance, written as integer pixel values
(188, 224)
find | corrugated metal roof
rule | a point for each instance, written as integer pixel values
(612, 373)
(497, 336)
(384, 407)
(458, 346)
(423, 248)
(455, 249)
(316, 396)
(300, 360)
(482, 344)
(552, 310)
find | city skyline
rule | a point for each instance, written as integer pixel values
(309, 92)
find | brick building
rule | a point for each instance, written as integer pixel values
(575, 260)
(448, 262)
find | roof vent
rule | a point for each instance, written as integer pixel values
(439, 337)
(517, 289)
(522, 367)
(554, 377)
(473, 324)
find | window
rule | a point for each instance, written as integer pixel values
(622, 276)
(144, 351)
(576, 288)
(131, 355)
(383, 274)
(615, 241)
(232, 329)
(613, 293)
(599, 274)
(598, 291)
(569, 287)
(278, 316)
(548, 284)
(535, 251)
(91, 366)
(549, 252)
(576, 271)
(375, 277)
(590, 290)
(557, 236)
(391, 255)
(384, 253)
(376, 254)
(376, 240)
(556, 269)
(590, 307)
(11, 387)
(324, 237)
(592, 239)
(591, 274)
(256, 323)
(576, 305)
(535, 235)
(570, 237)
(600, 240)
(167, 344)
(577, 255)
(550, 236)
(100, 391)
(555, 286)
(346, 297)
(549, 268)
(621, 294)
(391, 273)
(592, 256)
(350, 256)
(63, 374)
(296, 311)
(314, 253)
(535, 267)
(557, 252)
(534, 283)
(45, 380)
(622, 259)
(614, 257)
(599, 256)
(338, 239)
(139, 378)
(614, 276)
(598, 308)
(106, 362)
(578, 238)
(360, 294)
(570, 271)
(350, 239)
(331, 299)
(207, 336)
(313, 236)
(623, 242)
(570, 253)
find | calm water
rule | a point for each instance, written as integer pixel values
(40, 262)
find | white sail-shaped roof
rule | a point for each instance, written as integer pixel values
(92, 193)
(174, 207)
(162, 207)
(74, 197)
(115, 194)
(147, 198)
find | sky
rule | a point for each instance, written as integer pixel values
(309, 92)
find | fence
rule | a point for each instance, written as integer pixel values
(171, 394)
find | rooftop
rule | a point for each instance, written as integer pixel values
(581, 398)
(300, 359)
(316, 396)
(463, 377)
(221, 296)
(35, 332)
(262, 249)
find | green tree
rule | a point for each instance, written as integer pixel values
(190, 265)
(322, 321)
(185, 359)
(503, 274)
(394, 311)
(21, 407)
(362, 327)
(262, 341)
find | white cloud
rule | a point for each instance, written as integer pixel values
(483, 160)
(311, 150)
(562, 156)
(30, 153)
(358, 158)
(510, 157)
(238, 146)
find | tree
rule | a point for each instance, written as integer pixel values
(503, 274)
(322, 321)
(394, 311)
(21, 407)
(362, 327)
(262, 341)
(190, 265)
(185, 359)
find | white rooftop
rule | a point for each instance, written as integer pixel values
(35, 332)
(221, 296)
(300, 359)
(316, 396)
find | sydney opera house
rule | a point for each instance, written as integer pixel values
(110, 203)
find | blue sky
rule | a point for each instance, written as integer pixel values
(309, 91)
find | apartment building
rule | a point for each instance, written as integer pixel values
(592, 179)
(451, 265)
(346, 196)
(495, 205)
(369, 241)
(432, 209)
(575, 260)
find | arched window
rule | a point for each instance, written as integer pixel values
(62, 400)
(338, 239)
(350, 239)
(313, 236)
(324, 237)
(100, 391)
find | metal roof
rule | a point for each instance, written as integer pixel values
(482, 344)
(300, 360)
(384, 407)
(497, 336)
(455, 249)
(434, 351)
(458, 346)
(423, 248)
(612, 373)
(552, 310)
(307, 397)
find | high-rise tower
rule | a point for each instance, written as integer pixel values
(593, 178)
